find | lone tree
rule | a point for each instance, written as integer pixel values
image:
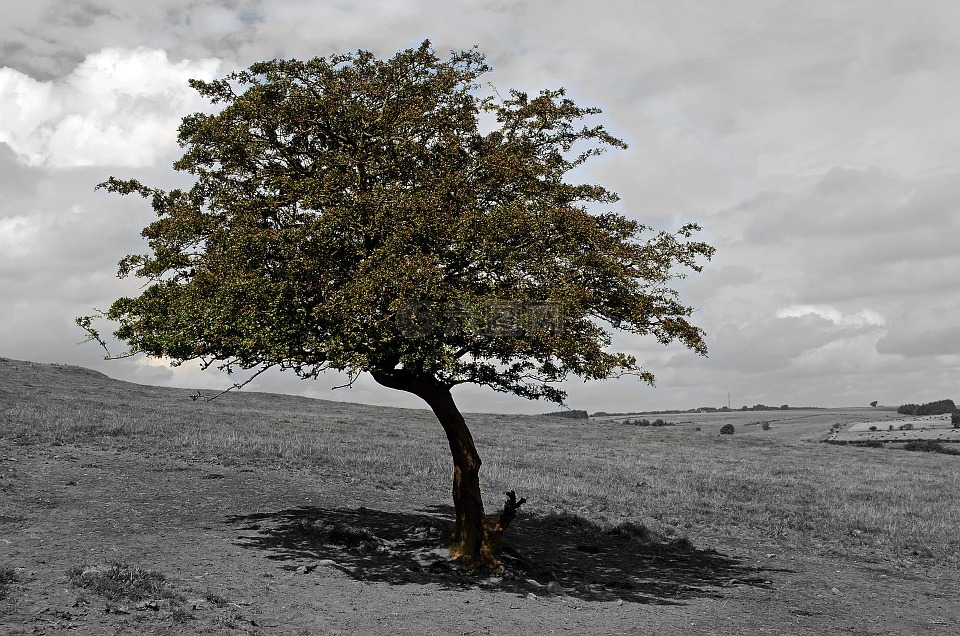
(383, 216)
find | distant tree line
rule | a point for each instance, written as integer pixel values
(930, 408)
(764, 407)
(644, 422)
(572, 414)
(703, 409)
(706, 409)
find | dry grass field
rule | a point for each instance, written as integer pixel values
(262, 513)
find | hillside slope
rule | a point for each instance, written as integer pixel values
(271, 514)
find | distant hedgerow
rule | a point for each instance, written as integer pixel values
(572, 414)
(930, 446)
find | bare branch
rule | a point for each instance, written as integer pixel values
(239, 385)
(93, 335)
(353, 376)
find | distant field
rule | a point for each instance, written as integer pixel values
(900, 428)
(815, 424)
(810, 425)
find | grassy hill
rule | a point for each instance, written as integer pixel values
(780, 483)
(131, 509)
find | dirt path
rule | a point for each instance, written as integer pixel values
(295, 552)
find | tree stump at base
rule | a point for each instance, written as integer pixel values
(493, 530)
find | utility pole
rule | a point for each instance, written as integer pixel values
(728, 401)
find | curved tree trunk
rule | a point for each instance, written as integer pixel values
(473, 542)
(466, 542)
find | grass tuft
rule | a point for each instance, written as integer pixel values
(120, 582)
(7, 577)
(634, 531)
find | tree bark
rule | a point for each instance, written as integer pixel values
(470, 541)
(466, 541)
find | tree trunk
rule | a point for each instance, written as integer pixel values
(466, 541)
(473, 542)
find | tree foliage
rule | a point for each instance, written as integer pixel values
(386, 216)
(349, 213)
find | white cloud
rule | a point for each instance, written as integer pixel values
(118, 107)
(862, 318)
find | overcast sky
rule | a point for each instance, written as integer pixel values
(817, 143)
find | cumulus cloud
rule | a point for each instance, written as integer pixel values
(860, 319)
(118, 107)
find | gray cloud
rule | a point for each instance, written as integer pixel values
(818, 150)
(925, 330)
(776, 343)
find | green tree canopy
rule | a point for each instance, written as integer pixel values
(384, 216)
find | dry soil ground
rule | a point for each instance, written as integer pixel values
(233, 536)
(311, 551)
